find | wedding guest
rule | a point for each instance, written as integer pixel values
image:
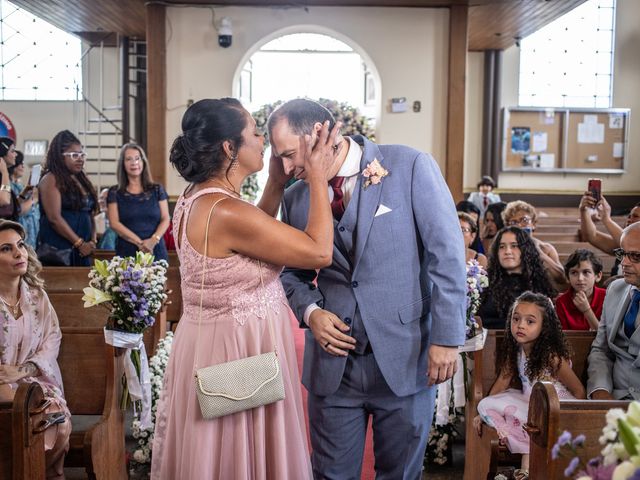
(485, 195)
(30, 338)
(491, 224)
(106, 236)
(9, 205)
(138, 208)
(68, 202)
(473, 211)
(580, 307)
(514, 267)
(29, 216)
(606, 241)
(613, 362)
(243, 248)
(469, 234)
(522, 214)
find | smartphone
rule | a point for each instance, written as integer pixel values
(595, 188)
(34, 176)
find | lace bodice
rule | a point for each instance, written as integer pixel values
(232, 285)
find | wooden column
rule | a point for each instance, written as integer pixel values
(458, 22)
(156, 92)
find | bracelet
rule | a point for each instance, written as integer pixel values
(78, 243)
(157, 237)
(5, 188)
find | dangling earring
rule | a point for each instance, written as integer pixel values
(234, 164)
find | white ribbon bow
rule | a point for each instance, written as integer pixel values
(139, 388)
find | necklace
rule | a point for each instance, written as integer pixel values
(15, 309)
(230, 192)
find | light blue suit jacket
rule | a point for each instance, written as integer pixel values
(403, 274)
(614, 360)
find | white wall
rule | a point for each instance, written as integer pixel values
(409, 48)
(473, 120)
(625, 95)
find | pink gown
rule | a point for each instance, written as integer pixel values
(268, 442)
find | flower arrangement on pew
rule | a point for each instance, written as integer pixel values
(133, 290)
(452, 396)
(620, 457)
(157, 367)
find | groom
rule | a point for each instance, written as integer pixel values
(386, 317)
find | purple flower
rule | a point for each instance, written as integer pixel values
(578, 441)
(636, 475)
(573, 464)
(564, 439)
(555, 451)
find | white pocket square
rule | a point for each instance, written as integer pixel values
(382, 209)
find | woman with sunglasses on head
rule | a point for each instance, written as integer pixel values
(30, 339)
(68, 202)
(137, 208)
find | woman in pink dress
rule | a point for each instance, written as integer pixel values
(30, 338)
(246, 250)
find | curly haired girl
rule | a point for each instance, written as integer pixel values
(534, 349)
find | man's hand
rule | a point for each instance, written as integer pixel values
(601, 395)
(443, 363)
(328, 331)
(477, 424)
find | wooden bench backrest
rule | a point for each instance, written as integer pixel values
(85, 362)
(580, 342)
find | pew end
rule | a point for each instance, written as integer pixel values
(549, 417)
(21, 441)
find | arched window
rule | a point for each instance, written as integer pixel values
(307, 65)
(37, 60)
(569, 63)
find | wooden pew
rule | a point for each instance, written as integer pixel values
(478, 449)
(91, 372)
(549, 417)
(21, 434)
(109, 254)
(64, 287)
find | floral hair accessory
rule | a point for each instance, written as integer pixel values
(374, 173)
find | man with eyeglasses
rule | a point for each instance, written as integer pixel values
(614, 368)
(522, 214)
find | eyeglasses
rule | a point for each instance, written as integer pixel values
(519, 221)
(75, 155)
(466, 230)
(634, 257)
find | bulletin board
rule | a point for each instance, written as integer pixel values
(565, 140)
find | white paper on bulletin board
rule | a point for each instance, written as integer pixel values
(616, 120)
(589, 132)
(539, 142)
(618, 150)
(547, 160)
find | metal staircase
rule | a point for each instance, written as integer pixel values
(109, 124)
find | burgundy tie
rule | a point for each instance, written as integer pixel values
(337, 204)
(485, 201)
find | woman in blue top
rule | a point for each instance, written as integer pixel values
(68, 202)
(29, 216)
(137, 208)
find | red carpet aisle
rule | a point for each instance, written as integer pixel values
(367, 466)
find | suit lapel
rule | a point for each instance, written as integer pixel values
(619, 317)
(368, 201)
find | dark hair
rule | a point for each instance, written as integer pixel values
(533, 276)
(34, 267)
(197, 154)
(467, 207)
(123, 178)
(55, 164)
(583, 255)
(496, 210)
(487, 180)
(19, 161)
(5, 145)
(550, 346)
(301, 114)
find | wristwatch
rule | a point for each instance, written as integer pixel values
(5, 188)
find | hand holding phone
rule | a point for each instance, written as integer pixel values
(595, 188)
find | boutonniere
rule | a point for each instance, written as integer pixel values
(374, 173)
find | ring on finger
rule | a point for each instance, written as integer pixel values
(327, 345)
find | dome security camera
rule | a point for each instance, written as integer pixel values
(225, 32)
